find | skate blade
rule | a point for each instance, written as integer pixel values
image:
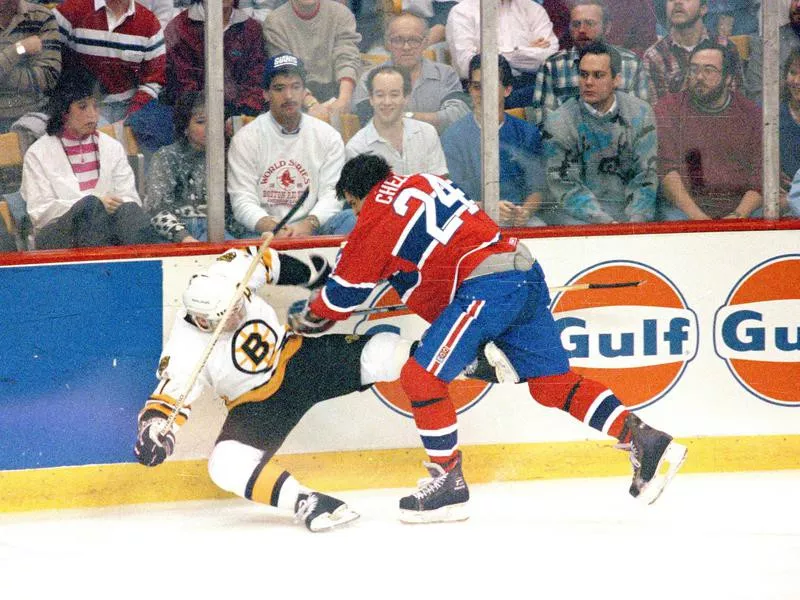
(675, 454)
(341, 516)
(446, 514)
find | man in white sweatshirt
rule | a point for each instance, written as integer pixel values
(280, 154)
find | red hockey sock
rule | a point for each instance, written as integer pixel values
(585, 399)
(433, 410)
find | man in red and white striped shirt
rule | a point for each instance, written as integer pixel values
(121, 43)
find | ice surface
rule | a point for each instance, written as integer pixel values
(719, 536)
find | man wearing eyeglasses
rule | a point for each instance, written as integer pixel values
(709, 143)
(667, 61)
(436, 95)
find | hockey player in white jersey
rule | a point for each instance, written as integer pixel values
(267, 376)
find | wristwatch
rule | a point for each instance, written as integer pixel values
(408, 115)
(20, 48)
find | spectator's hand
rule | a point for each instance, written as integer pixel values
(507, 213)
(32, 44)
(540, 43)
(265, 225)
(320, 111)
(111, 203)
(786, 181)
(338, 105)
(522, 216)
(189, 239)
(304, 228)
(229, 127)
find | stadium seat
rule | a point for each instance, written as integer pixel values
(742, 45)
(11, 214)
(10, 152)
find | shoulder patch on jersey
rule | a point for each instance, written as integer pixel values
(227, 256)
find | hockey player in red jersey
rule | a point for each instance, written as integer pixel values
(450, 264)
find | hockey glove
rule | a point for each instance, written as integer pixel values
(152, 448)
(303, 321)
(320, 269)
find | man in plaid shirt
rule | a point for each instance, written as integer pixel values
(667, 61)
(557, 80)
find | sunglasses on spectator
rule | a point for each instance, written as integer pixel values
(411, 42)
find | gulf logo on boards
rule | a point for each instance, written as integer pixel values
(757, 330)
(464, 393)
(636, 340)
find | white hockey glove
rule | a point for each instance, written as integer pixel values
(152, 448)
(302, 319)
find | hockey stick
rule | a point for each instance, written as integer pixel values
(594, 286)
(562, 288)
(240, 288)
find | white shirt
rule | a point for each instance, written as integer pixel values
(50, 187)
(164, 10)
(520, 22)
(269, 169)
(422, 150)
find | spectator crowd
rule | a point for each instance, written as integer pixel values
(611, 111)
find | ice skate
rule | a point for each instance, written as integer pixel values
(320, 512)
(504, 370)
(649, 448)
(442, 497)
(491, 364)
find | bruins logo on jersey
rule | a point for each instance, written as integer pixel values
(255, 347)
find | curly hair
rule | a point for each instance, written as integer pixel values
(360, 174)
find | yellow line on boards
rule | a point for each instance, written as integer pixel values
(108, 485)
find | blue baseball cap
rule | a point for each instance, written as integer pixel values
(281, 64)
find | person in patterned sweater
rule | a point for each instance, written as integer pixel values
(176, 187)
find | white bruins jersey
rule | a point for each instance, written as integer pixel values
(245, 365)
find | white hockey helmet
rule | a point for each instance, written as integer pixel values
(207, 297)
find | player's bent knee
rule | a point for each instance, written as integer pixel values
(419, 384)
(553, 390)
(231, 465)
(383, 357)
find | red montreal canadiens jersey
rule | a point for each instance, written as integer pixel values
(421, 234)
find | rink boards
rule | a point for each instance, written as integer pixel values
(707, 347)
